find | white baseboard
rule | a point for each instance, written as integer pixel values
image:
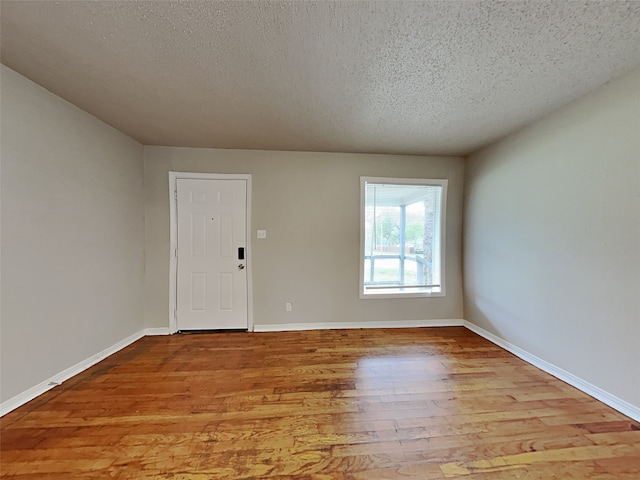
(150, 332)
(57, 379)
(582, 385)
(284, 327)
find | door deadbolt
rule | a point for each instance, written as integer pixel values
(241, 267)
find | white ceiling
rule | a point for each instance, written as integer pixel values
(348, 76)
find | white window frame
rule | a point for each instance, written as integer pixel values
(443, 215)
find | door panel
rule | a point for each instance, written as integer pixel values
(211, 288)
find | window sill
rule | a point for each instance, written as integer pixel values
(401, 295)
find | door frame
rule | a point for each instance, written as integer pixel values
(173, 243)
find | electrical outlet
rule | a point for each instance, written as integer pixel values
(288, 306)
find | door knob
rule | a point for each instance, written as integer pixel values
(241, 266)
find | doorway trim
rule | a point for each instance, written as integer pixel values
(173, 242)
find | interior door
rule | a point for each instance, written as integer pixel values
(211, 290)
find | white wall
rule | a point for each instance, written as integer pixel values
(552, 239)
(309, 203)
(72, 235)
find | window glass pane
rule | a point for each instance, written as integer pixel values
(402, 232)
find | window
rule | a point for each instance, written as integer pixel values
(402, 237)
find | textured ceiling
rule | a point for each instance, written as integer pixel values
(349, 76)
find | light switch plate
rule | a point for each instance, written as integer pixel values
(262, 234)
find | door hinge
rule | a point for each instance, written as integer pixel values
(175, 194)
(175, 314)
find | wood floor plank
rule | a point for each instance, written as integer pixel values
(317, 405)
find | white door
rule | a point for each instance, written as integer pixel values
(211, 290)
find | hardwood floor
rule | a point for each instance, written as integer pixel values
(342, 404)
